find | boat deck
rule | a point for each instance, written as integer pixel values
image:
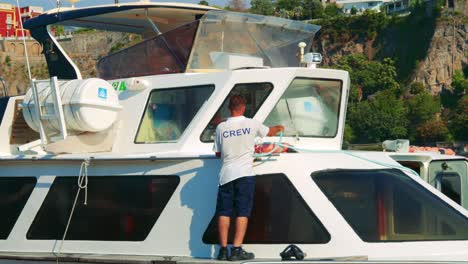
(49, 258)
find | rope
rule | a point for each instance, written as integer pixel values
(24, 43)
(383, 164)
(82, 184)
(277, 145)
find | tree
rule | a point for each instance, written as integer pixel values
(349, 135)
(312, 9)
(262, 7)
(332, 10)
(287, 4)
(422, 108)
(203, 2)
(459, 83)
(59, 30)
(371, 76)
(237, 5)
(384, 117)
(417, 88)
(459, 122)
(353, 10)
(283, 13)
(297, 12)
(433, 130)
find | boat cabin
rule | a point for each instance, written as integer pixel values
(121, 162)
(449, 174)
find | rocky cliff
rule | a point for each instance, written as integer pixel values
(447, 53)
(425, 50)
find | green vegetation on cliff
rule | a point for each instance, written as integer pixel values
(384, 103)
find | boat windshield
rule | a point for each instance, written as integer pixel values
(228, 40)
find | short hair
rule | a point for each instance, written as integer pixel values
(235, 101)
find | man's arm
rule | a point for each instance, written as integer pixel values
(275, 130)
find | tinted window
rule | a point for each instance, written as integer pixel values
(308, 108)
(414, 165)
(450, 185)
(118, 208)
(387, 205)
(279, 215)
(3, 106)
(169, 112)
(14, 193)
(254, 93)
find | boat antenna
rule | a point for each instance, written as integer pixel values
(59, 4)
(24, 41)
(72, 2)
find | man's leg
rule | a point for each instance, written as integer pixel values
(224, 207)
(223, 230)
(241, 228)
(244, 189)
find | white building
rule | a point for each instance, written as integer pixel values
(378, 5)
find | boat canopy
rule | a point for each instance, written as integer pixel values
(130, 17)
(177, 38)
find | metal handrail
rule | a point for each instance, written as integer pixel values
(5, 89)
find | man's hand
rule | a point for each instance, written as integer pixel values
(275, 130)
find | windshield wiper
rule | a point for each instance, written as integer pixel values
(290, 118)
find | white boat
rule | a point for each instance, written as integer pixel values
(139, 157)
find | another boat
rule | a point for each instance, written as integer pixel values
(122, 164)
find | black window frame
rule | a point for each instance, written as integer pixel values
(29, 235)
(213, 86)
(227, 98)
(15, 215)
(355, 230)
(296, 193)
(339, 102)
(440, 177)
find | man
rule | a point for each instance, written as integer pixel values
(234, 143)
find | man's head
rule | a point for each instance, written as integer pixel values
(237, 105)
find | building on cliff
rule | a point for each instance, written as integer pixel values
(360, 6)
(9, 19)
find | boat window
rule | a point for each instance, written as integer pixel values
(109, 50)
(414, 165)
(279, 216)
(169, 112)
(254, 93)
(449, 176)
(162, 54)
(14, 193)
(387, 205)
(450, 185)
(308, 108)
(231, 40)
(119, 208)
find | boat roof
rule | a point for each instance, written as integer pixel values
(424, 156)
(125, 17)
